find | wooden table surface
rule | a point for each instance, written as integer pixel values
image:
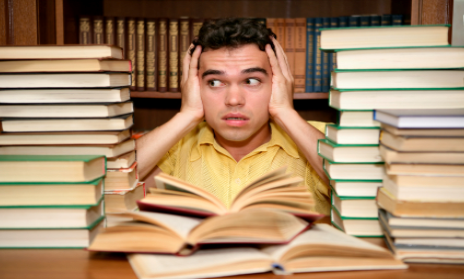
(70, 264)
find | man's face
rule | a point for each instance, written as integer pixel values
(235, 90)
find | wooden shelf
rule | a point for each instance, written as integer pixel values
(170, 95)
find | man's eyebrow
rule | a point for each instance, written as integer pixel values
(212, 72)
(253, 70)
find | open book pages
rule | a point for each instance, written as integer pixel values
(182, 235)
(276, 189)
(322, 248)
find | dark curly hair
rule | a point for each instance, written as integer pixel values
(233, 33)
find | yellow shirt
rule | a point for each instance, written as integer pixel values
(201, 161)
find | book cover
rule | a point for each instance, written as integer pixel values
(386, 20)
(85, 30)
(300, 55)
(110, 31)
(317, 56)
(310, 65)
(290, 43)
(98, 30)
(132, 50)
(184, 42)
(121, 34)
(140, 55)
(374, 20)
(163, 55)
(151, 55)
(173, 49)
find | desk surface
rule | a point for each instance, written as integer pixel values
(70, 264)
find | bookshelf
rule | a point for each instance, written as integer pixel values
(32, 22)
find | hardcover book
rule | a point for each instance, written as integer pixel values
(64, 65)
(61, 52)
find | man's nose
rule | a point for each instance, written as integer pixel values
(234, 96)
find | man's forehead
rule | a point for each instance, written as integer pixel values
(246, 55)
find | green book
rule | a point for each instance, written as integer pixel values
(54, 194)
(356, 188)
(348, 153)
(359, 227)
(353, 171)
(352, 135)
(51, 168)
(384, 36)
(356, 118)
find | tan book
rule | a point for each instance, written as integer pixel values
(63, 138)
(60, 52)
(184, 41)
(110, 31)
(359, 227)
(121, 179)
(279, 26)
(123, 161)
(423, 132)
(121, 34)
(98, 30)
(276, 190)
(300, 55)
(392, 156)
(131, 50)
(428, 144)
(151, 55)
(425, 169)
(173, 50)
(353, 171)
(195, 27)
(120, 201)
(65, 65)
(289, 39)
(140, 55)
(163, 56)
(322, 248)
(110, 150)
(418, 208)
(50, 96)
(85, 30)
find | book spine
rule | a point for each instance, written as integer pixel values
(364, 20)
(163, 56)
(121, 34)
(300, 54)
(151, 51)
(174, 55)
(325, 60)
(343, 21)
(374, 20)
(98, 32)
(397, 19)
(353, 21)
(184, 42)
(110, 31)
(290, 43)
(140, 55)
(309, 84)
(85, 37)
(386, 20)
(132, 49)
(279, 25)
(317, 55)
(270, 23)
(332, 56)
(195, 28)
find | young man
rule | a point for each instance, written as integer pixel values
(236, 78)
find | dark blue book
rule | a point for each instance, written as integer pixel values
(364, 20)
(374, 20)
(317, 57)
(343, 21)
(397, 19)
(334, 23)
(353, 21)
(310, 67)
(325, 61)
(386, 20)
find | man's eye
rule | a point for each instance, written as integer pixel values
(252, 81)
(215, 83)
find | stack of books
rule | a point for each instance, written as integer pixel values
(70, 100)
(422, 198)
(268, 227)
(50, 201)
(377, 68)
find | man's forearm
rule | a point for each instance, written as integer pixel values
(152, 146)
(305, 136)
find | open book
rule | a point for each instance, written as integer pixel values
(322, 248)
(153, 232)
(277, 190)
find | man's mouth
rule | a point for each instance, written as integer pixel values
(235, 120)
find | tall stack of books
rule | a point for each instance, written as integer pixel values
(422, 198)
(69, 100)
(206, 238)
(376, 68)
(50, 201)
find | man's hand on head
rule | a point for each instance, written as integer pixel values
(190, 86)
(282, 81)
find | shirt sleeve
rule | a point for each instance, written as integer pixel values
(318, 125)
(168, 162)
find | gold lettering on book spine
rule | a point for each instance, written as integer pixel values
(318, 79)
(131, 49)
(98, 29)
(184, 43)
(109, 32)
(163, 83)
(151, 51)
(120, 34)
(196, 28)
(173, 55)
(140, 54)
(84, 30)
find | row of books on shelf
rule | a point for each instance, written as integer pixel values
(395, 158)
(156, 47)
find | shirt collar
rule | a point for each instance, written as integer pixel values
(278, 138)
